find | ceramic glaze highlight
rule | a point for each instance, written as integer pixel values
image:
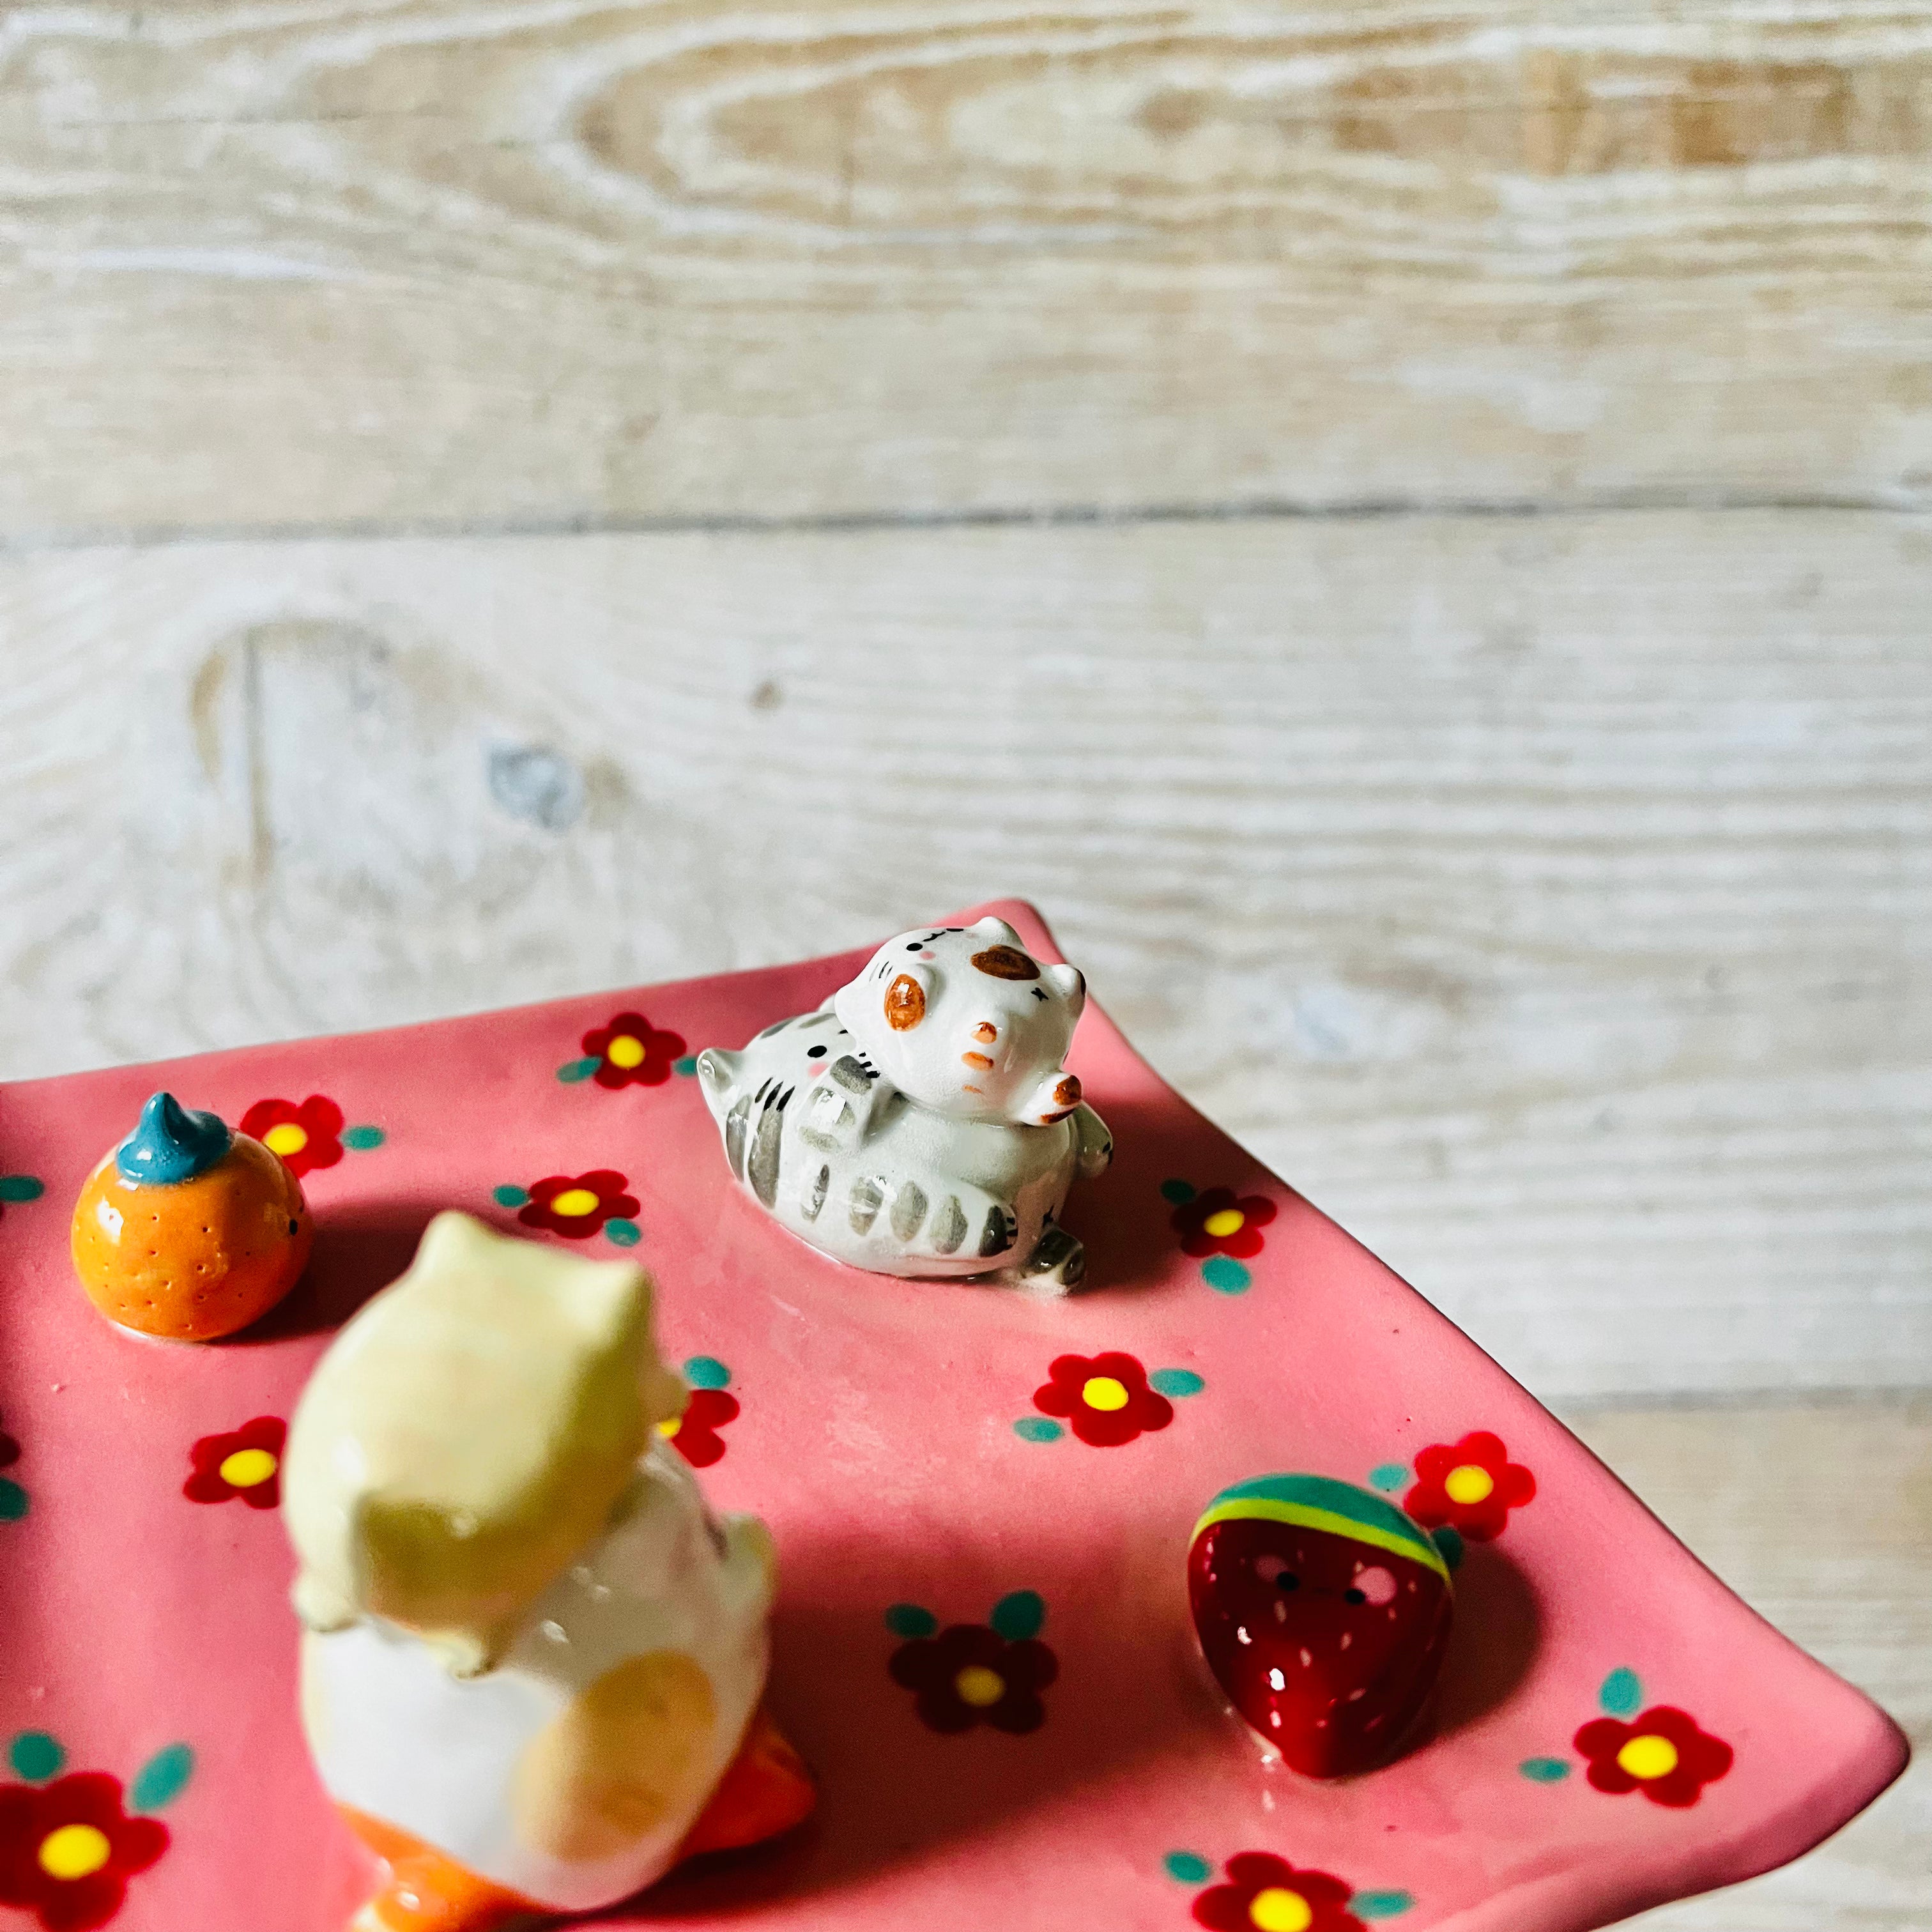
(533, 1660)
(188, 1231)
(922, 1122)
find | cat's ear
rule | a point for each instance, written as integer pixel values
(1053, 1099)
(1068, 981)
(996, 932)
(717, 1076)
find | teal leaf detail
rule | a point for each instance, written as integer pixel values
(1381, 1904)
(1388, 1476)
(706, 1372)
(35, 1756)
(1544, 1770)
(1038, 1429)
(361, 1139)
(572, 1071)
(1190, 1867)
(626, 1234)
(1176, 1382)
(163, 1778)
(12, 1500)
(1449, 1539)
(909, 1620)
(1179, 1192)
(1621, 1693)
(509, 1197)
(687, 1066)
(1225, 1275)
(1019, 1615)
(21, 1187)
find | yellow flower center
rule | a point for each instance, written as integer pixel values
(670, 1425)
(286, 1138)
(1468, 1483)
(1278, 1909)
(980, 1686)
(1229, 1221)
(1649, 1756)
(74, 1852)
(574, 1201)
(626, 1050)
(1103, 1392)
(247, 1467)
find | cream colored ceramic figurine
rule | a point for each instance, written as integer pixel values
(921, 1121)
(533, 1661)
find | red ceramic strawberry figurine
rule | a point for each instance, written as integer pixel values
(1323, 1611)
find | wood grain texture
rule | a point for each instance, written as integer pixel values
(559, 263)
(1549, 899)
(1821, 1519)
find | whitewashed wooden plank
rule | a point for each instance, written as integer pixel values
(1821, 1519)
(555, 263)
(1548, 899)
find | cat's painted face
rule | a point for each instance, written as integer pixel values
(966, 1021)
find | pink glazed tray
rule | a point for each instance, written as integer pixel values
(893, 1435)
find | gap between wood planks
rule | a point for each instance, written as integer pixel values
(857, 523)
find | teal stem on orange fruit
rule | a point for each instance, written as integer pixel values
(171, 1143)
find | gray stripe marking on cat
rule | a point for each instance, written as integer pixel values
(762, 1169)
(949, 1227)
(908, 1209)
(1001, 1231)
(868, 1196)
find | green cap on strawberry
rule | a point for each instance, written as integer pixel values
(1323, 1611)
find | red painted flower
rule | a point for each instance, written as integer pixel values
(1266, 1893)
(577, 1205)
(246, 1462)
(67, 1850)
(1105, 1397)
(971, 1674)
(695, 1434)
(630, 1049)
(1471, 1485)
(306, 1137)
(1661, 1753)
(1220, 1222)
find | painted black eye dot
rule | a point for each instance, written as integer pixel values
(1287, 1580)
(294, 1227)
(815, 1053)
(1353, 1597)
(914, 946)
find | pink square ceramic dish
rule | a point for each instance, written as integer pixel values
(1615, 1728)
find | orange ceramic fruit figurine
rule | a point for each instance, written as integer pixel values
(188, 1230)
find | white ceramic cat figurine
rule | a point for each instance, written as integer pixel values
(922, 1122)
(533, 1662)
